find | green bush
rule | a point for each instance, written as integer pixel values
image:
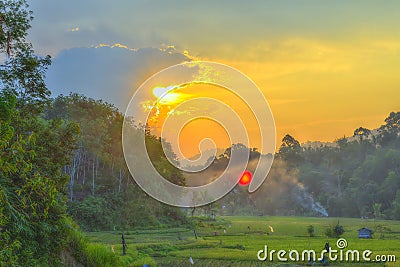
(336, 231)
(98, 255)
(145, 260)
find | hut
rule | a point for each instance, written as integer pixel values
(365, 233)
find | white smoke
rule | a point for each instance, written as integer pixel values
(306, 200)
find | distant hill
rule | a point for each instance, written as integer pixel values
(316, 144)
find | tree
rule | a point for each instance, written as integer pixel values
(15, 21)
(290, 150)
(335, 231)
(33, 220)
(23, 72)
(393, 121)
(390, 130)
(289, 143)
(361, 133)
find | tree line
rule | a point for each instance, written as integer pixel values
(356, 176)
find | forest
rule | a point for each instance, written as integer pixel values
(350, 177)
(62, 166)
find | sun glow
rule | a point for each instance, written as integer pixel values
(165, 94)
(246, 178)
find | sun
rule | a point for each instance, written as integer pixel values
(246, 178)
(165, 96)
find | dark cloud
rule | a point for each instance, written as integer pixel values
(224, 28)
(111, 74)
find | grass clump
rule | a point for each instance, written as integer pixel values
(90, 254)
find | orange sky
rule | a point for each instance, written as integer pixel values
(322, 91)
(175, 105)
(326, 67)
(325, 90)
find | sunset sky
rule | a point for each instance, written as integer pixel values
(326, 67)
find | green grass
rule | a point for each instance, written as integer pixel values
(239, 245)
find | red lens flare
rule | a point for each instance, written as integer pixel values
(246, 178)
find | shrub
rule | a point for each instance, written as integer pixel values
(98, 255)
(143, 260)
(336, 231)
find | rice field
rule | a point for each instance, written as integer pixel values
(236, 241)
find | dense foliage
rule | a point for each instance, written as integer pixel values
(33, 220)
(34, 227)
(356, 176)
(102, 193)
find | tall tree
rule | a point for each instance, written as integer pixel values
(290, 150)
(389, 131)
(32, 187)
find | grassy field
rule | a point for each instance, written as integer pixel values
(238, 244)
